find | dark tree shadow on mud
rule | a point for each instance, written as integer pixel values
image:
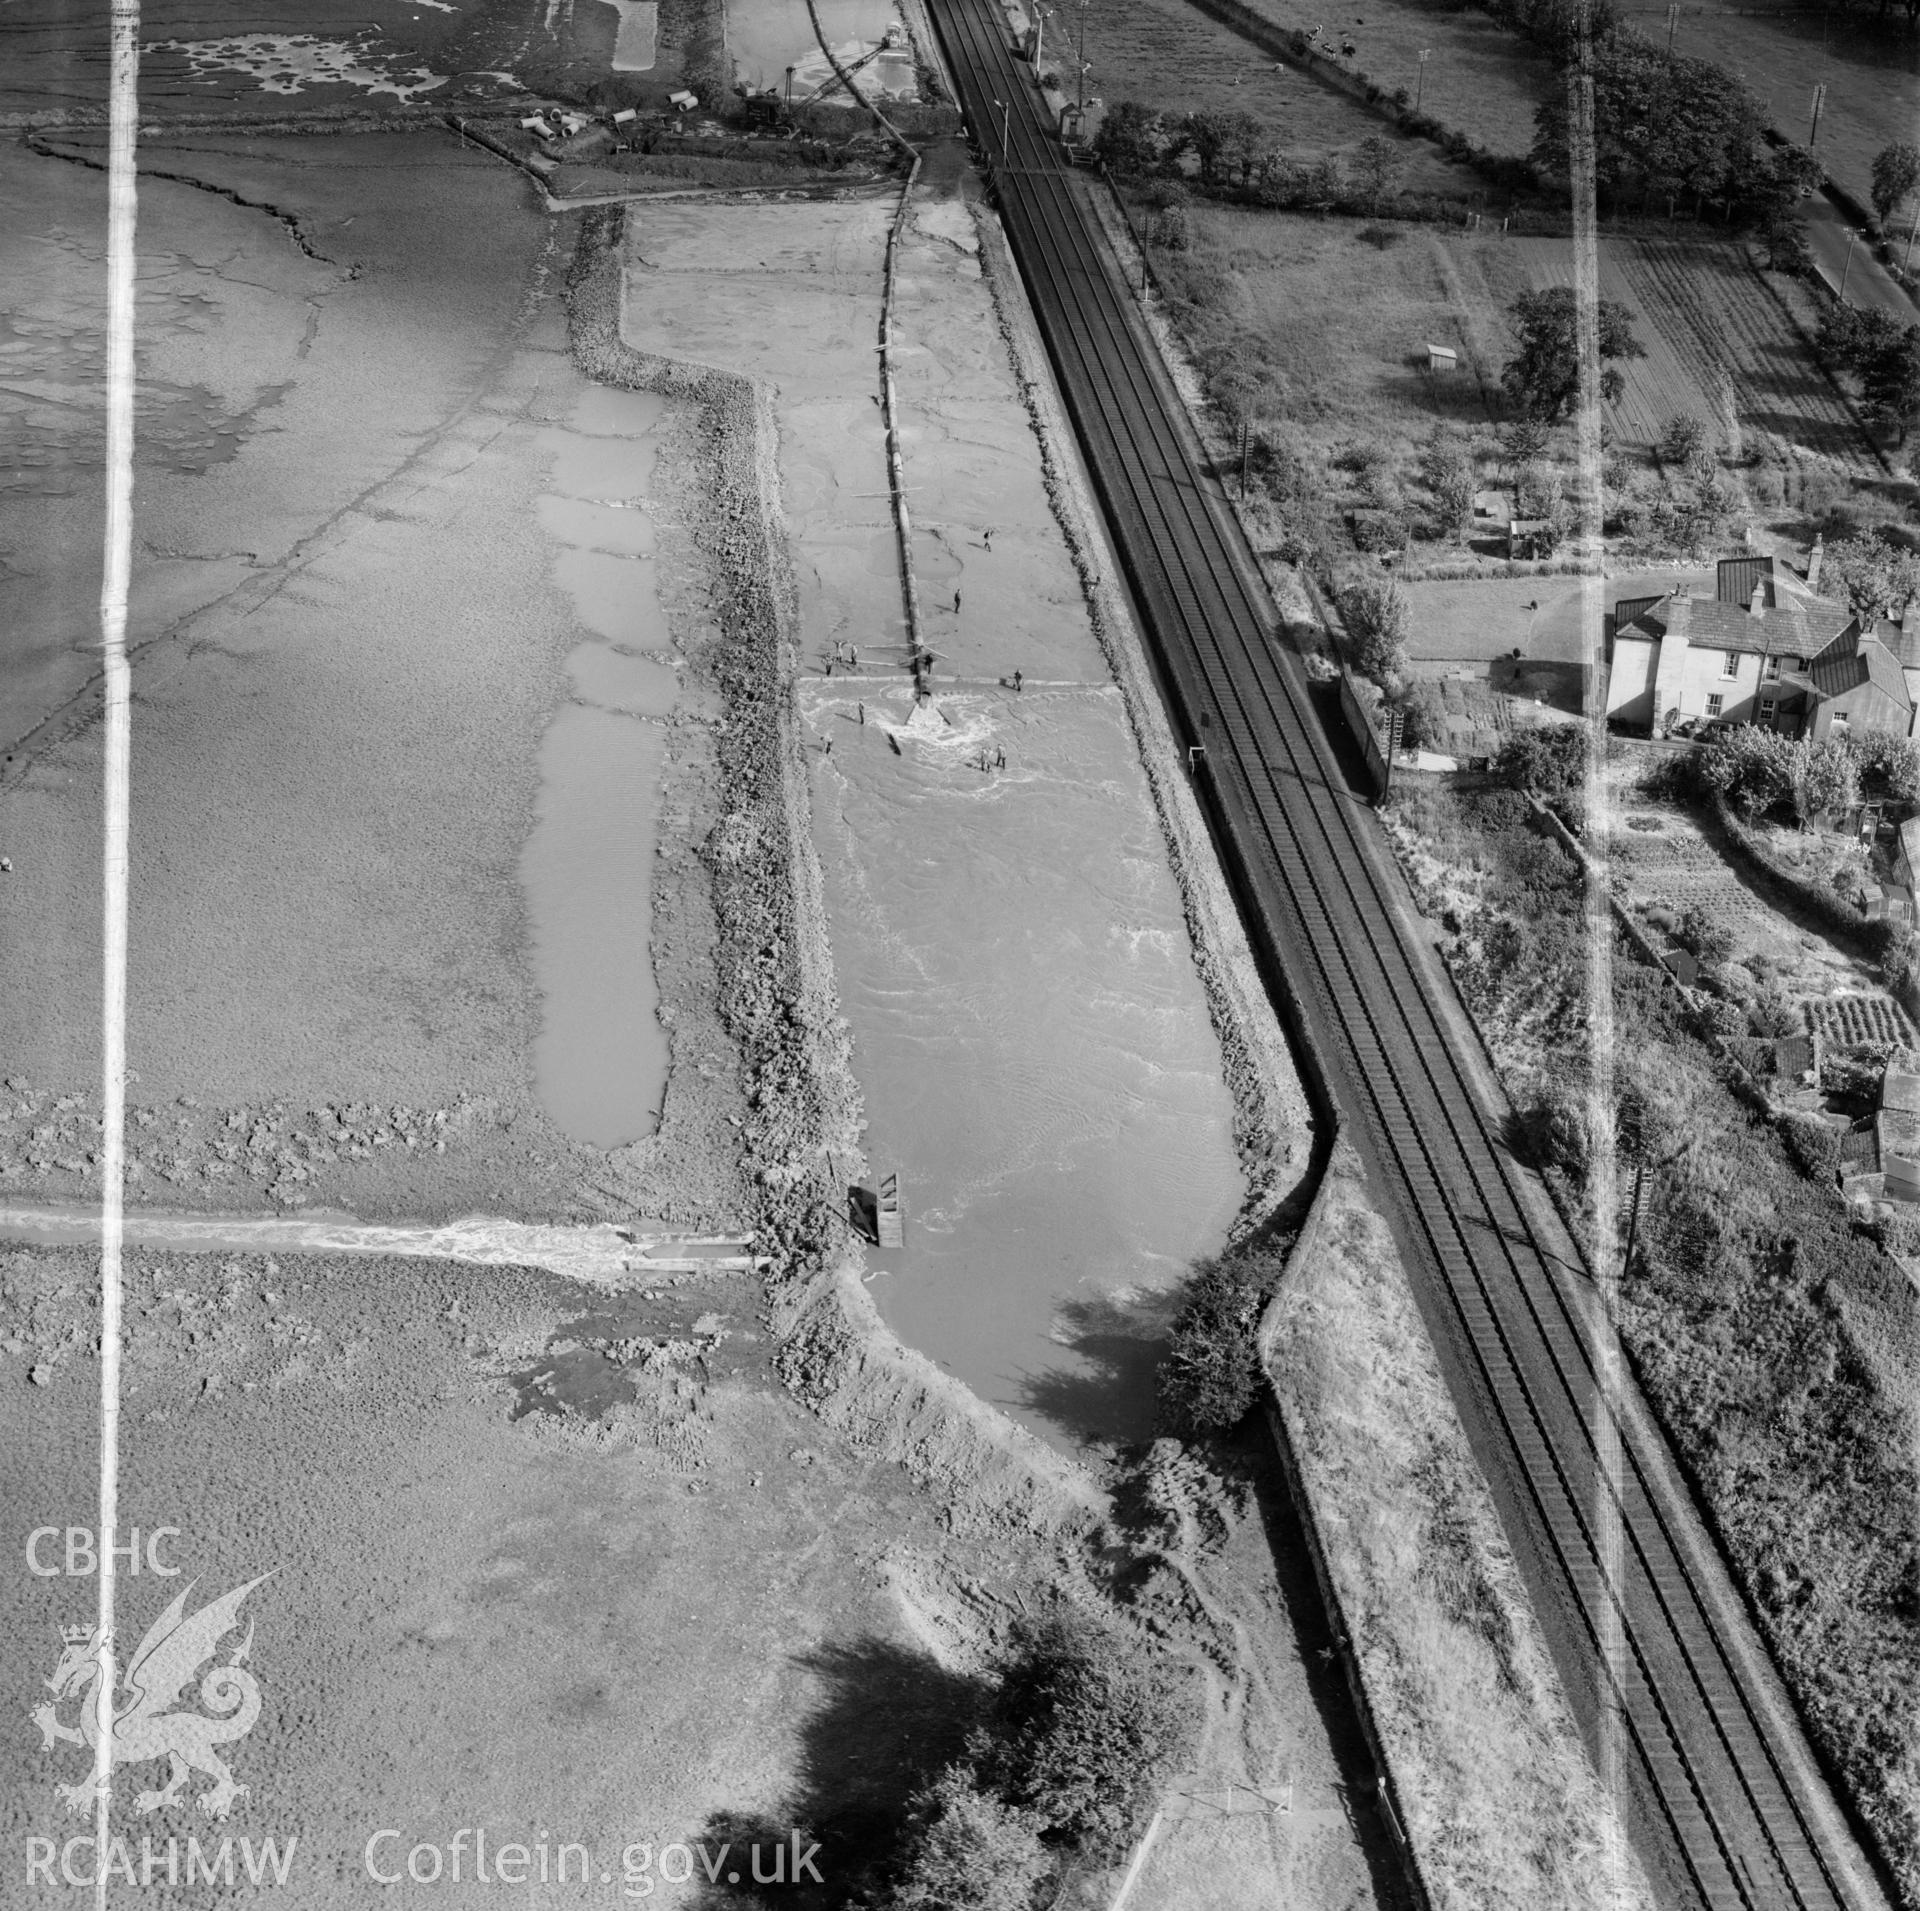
(1110, 1396)
(889, 1719)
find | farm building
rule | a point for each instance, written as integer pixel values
(1898, 1126)
(1782, 1065)
(1906, 855)
(1765, 648)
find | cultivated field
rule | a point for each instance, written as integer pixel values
(1666, 861)
(1718, 345)
(1174, 58)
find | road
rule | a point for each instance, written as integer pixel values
(1869, 284)
(1720, 1789)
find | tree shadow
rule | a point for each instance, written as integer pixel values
(888, 1720)
(1119, 1342)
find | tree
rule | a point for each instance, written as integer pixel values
(1849, 339)
(1245, 140)
(1376, 620)
(1888, 766)
(1522, 440)
(1446, 470)
(1821, 776)
(1209, 134)
(1672, 124)
(1210, 1375)
(1701, 931)
(1890, 382)
(1378, 165)
(1700, 509)
(1896, 171)
(1748, 766)
(1129, 137)
(1548, 759)
(1680, 438)
(1876, 576)
(1543, 378)
(1789, 174)
(967, 1851)
(1084, 1730)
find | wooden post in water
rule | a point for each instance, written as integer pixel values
(887, 1223)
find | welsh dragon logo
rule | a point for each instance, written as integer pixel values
(176, 1646)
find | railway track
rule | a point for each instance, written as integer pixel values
(1721, 1791)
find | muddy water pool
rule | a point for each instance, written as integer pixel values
(1031, 1041)
(600, 1061)
(636, 39)
(765, 37)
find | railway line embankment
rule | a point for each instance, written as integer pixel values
(1724, 1799)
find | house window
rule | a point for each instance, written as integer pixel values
(1766, 709)
(1799, 663)
(1839, 719)
(1773, 668)
(1730, 664)
(1713, 704)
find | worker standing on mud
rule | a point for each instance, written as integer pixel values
(987, 536)
(863, 716)
(956, 600)
(1017, 679)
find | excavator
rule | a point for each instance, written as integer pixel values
(772, 110)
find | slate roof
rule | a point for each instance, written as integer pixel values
(1790, 1056)
(1902, 639)
(1900, 1091)
(1851, 660)
(1802, 628)
(1735, 577)
(1910, 842)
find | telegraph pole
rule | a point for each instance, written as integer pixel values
(1819, 100)
(1673, 20)
(1420, 85)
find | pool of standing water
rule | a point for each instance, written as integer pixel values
(587, 868)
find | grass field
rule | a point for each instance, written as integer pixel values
(1174, 58)
(1317, 329)
(1872, 79)
(1348, 309)
(1480, 78)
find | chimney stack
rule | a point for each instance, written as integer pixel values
(1758, 608)
(1813, 561)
